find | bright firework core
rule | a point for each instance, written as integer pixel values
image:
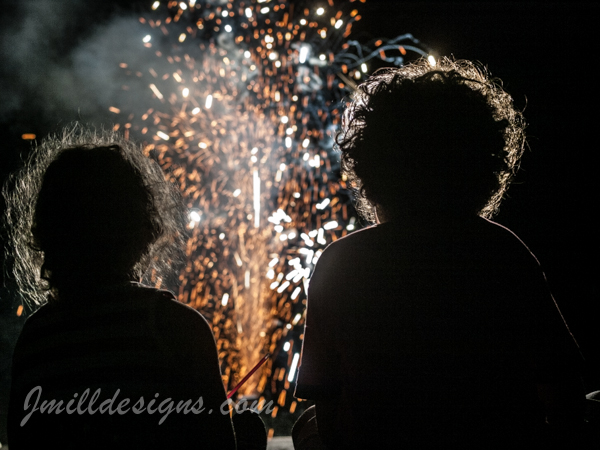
(245, 102)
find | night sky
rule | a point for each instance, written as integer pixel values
(544, 52)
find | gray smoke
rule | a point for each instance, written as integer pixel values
(60, 60)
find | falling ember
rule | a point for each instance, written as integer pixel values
(249, 142)
(292, 372)
(162, 135)
(256, 184)
(156, 91)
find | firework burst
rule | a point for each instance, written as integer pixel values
(246, 98)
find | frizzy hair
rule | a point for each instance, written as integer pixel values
(39, 227)
(424, 131)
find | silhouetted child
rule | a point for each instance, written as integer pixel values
(106, 362)
(434, 328)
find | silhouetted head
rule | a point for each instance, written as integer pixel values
(94, 218)
(96, 212)
(431, 141)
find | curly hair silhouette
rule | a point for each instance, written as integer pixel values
(425, 139)
(90, 208)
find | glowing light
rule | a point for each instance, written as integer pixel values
(202, 145)
(323, 204)
(265, 10)
(307, 240)
(317, 256)
(330, 225)
(339, 24)
(208, 102)
(147, 38)
(303, 54)
(248, 12)
(322, 57)
(238, 260)
(296, 293)
(286, 346)
(320, 11)
(228, 28)
(225, 299)
(256, 185)
(195, 216)
(185, 92)
(28, 136)
(321, 237)
(351, 225)
(155, 5)
(364, 68)
(183, 6)
(182, 37)
(195, 111)
(431, 60)
(156, 91)
(162, 135)
(237, 192)
(293, 367)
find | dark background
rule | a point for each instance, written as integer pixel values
(545, 52)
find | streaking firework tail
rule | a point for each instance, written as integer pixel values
(246, 98)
